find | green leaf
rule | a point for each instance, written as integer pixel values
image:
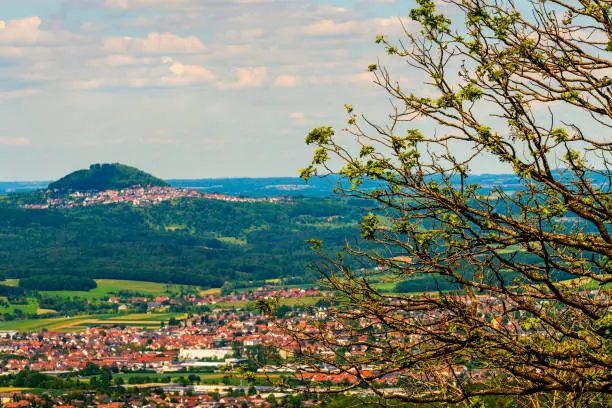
(320, 156)
(559, 135)
(366, 151)
(470, 92)
(320, 135)
(307, 173)
(368, 226)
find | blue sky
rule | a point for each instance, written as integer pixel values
(183, 88)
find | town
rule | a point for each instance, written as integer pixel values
(136, 196)
(230, 355)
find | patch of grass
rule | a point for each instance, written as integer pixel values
(291, 302)
(109, 287)
(10, 282)
(330, 225)
(585, 283)
(31, 307)
(306, 301)
(29, 325)
(175, 227)
(386, 287)
(213, 291)
(158, 317)
(70, 324)
(204, 377)
(233, 240)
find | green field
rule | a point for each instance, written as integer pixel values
(69, 324)
(106, 288)
(110, 287)
(205, 378)
(31, 307)
(291, 302)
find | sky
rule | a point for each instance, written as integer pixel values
(182, 88)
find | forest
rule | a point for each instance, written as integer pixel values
(189, 241)
(57, 283)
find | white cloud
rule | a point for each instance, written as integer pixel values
(155, 43)
(298, 118)
(247, 78)
(135, 4)
(14, 141)
(393, 25)
(361, 78)
(328, 27)
(90, 84)
(21, 31)
(189, 74)
(160, 141)
(242, 35)
(286, 81)
(10, 95)
(31, 30)
(168, 4)
(120, 60)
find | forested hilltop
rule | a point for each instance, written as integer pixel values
(101, 177)
(188, 241)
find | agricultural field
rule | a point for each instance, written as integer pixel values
(213, 291)
(110, 287)
(205, 378)
(291, 302)
(106, 288)
(71, 324)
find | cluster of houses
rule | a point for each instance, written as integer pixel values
(215, 341)
(154, 400)
(264, 292)
(137, 196)
(162, 303)
(164, 349)
(207, 340)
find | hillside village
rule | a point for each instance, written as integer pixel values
(137, 196)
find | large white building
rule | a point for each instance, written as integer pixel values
(205, 354)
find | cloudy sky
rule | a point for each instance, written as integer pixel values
(181, 88)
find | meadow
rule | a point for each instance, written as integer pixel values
(106, 288)
(110, 287)
(78, 323)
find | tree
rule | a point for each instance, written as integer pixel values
(523, 269)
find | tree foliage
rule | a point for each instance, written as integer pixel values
(106, 176)
(189, 241)
(523, 307)
(58, 282)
